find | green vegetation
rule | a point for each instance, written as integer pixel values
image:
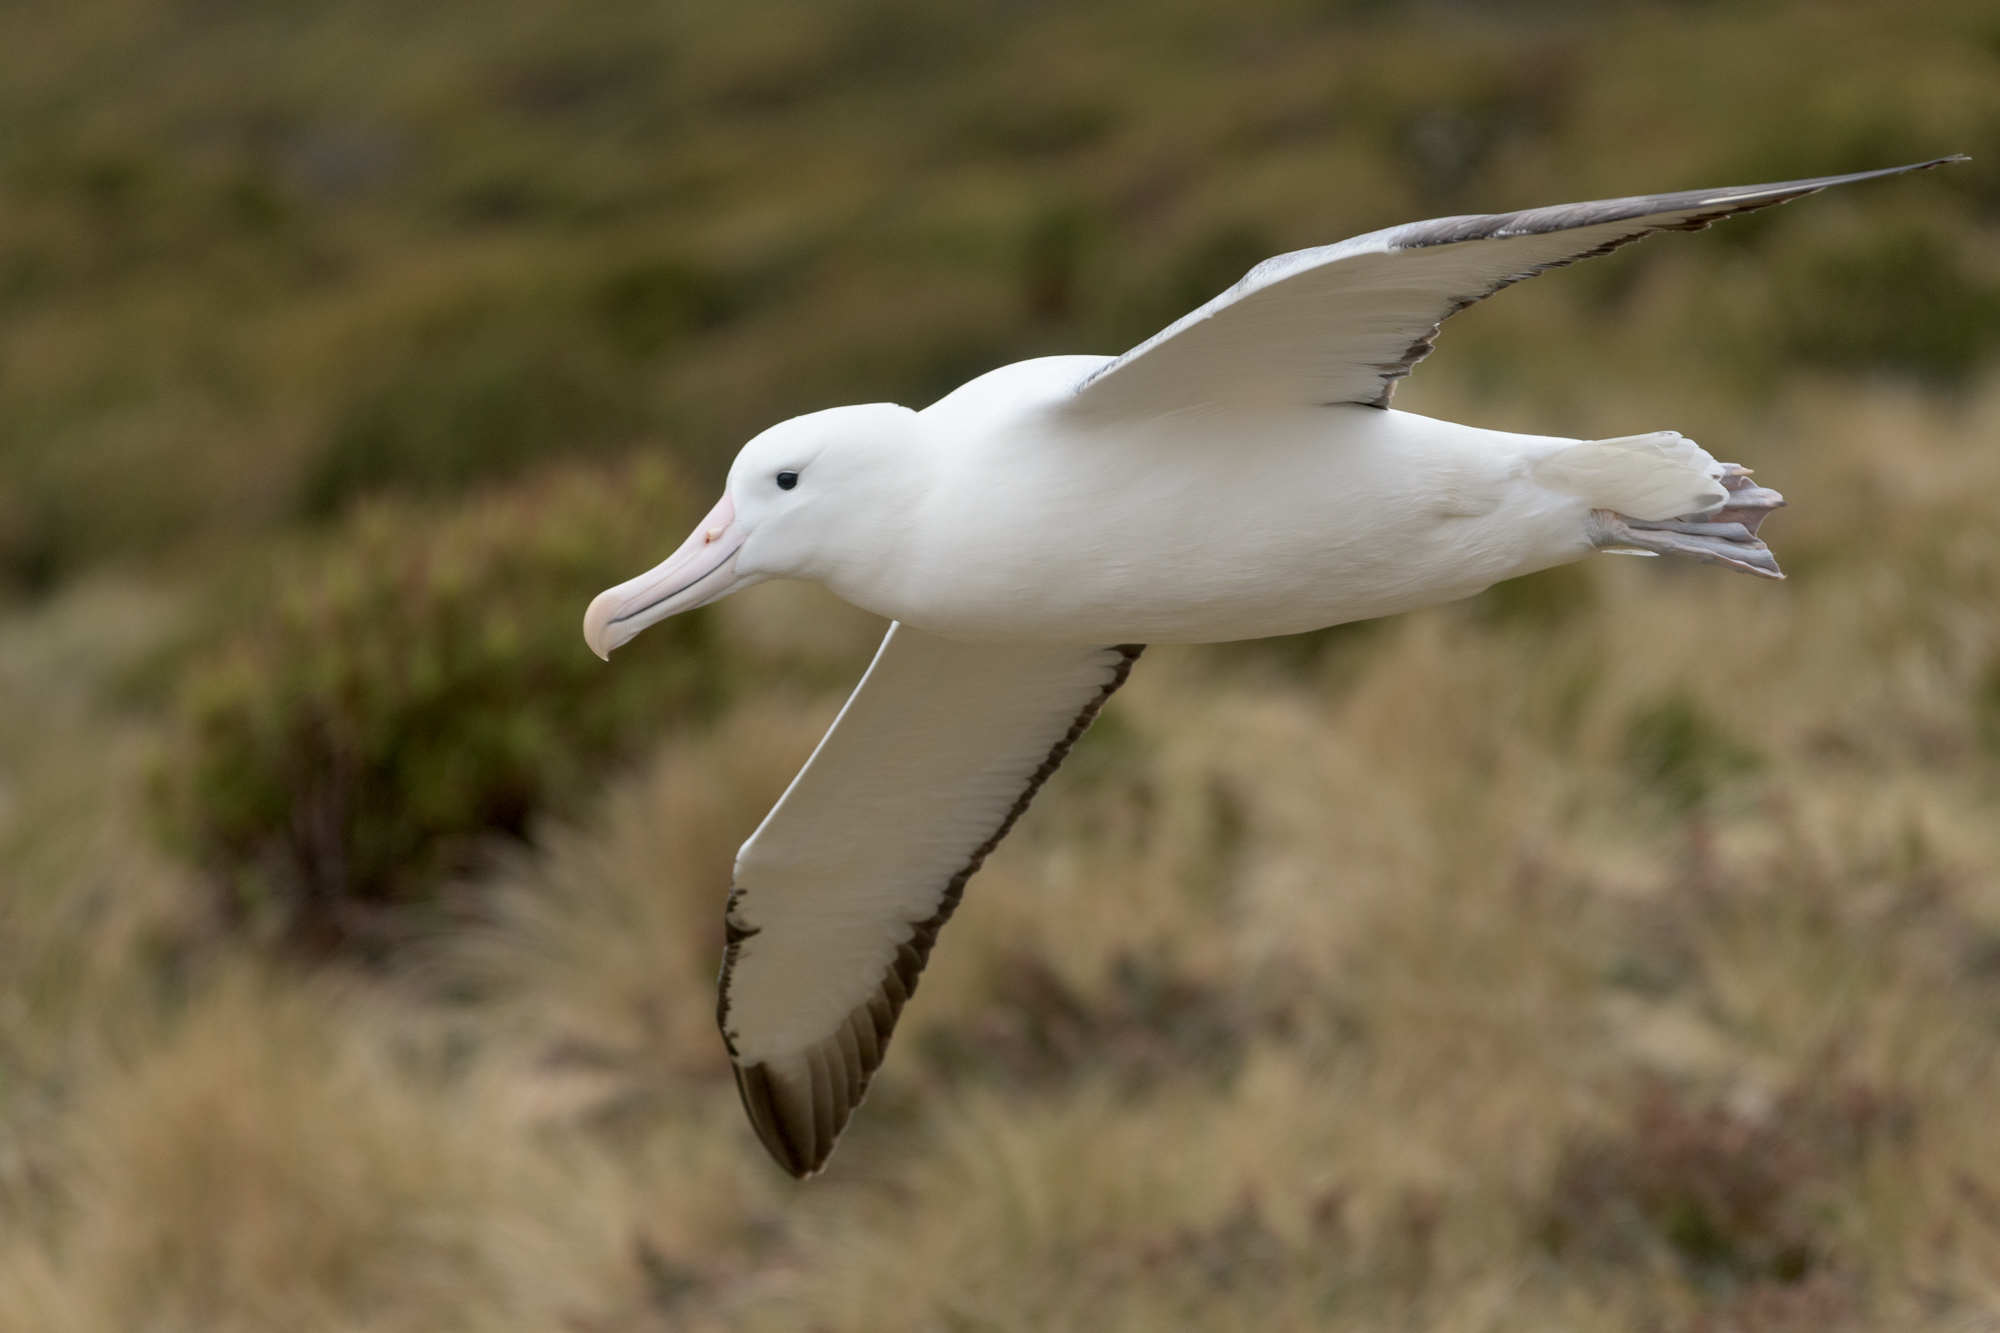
(273, 259)
(1902, 302)
(1616, 951)
(416, 685)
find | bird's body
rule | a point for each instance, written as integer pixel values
(1192, 527)
(1236, 476)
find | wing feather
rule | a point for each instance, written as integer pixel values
(1343, 323)
(839, 896)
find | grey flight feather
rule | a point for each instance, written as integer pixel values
(1343, 323)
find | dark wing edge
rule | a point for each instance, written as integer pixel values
(799, 1111)
(1653, 213)
(1713, 206)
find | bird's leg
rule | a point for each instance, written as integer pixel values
(1727, 536)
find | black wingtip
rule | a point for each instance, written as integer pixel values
(1926, 165)
(800, 1104)
(1944, 161)
(778, 1130)
(1761, 196)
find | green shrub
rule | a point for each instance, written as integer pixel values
(416, 690)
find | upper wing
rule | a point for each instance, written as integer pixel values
(1343, 323)
(842, 890)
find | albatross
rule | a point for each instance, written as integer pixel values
(1238, 475)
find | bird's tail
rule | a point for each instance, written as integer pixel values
(1663, 494)
(1648, 477)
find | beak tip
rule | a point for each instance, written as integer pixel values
(597, 625)
(685, 580)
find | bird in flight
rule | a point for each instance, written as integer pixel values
(1238, 475)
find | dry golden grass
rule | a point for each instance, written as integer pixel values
(1620, 950)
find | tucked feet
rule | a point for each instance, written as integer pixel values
(1726, 536)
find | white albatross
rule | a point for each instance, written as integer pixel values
(1236, 476)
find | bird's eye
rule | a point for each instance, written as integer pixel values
(787, 480)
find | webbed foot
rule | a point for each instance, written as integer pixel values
(1726, 536)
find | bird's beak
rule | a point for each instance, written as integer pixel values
(702, 570)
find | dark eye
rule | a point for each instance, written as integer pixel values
(787, 480)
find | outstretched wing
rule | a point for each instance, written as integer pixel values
(1342, 323)
(841, 892)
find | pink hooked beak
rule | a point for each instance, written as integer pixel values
(703, 569)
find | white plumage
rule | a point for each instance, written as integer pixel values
(1236, 476)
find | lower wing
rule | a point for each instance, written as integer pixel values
(841, 892)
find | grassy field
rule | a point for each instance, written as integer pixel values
(1617, 950)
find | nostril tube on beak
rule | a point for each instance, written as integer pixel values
(701, 571)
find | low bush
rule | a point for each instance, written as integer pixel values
(1740, 1201)
(417, 688)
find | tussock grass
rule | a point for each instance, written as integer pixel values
(1416, 978)
(1617, 951)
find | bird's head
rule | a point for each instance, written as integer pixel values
(798, 495)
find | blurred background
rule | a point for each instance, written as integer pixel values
(1617, 950)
